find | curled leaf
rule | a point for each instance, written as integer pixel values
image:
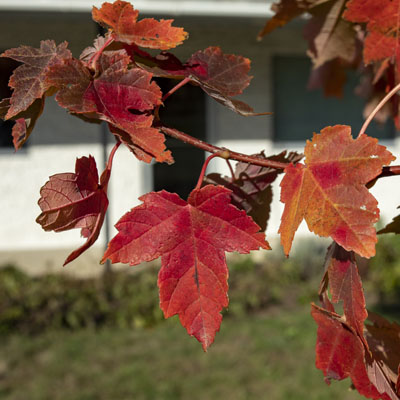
(75, 200)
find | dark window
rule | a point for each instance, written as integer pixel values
(185, 111)
(298, 112)
(6, 68)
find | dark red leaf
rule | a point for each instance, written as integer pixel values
(191, 237)
(251, 186)
(29, 80)
(121, 18)
(384, 343)
(72, 79)
(392, 227)
(75, 200)
(221, 76)
(226, 73)
(24, 121)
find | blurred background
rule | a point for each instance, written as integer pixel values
(84, 332)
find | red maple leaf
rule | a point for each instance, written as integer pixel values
(340, 353)
(75, 200)
(329, 192)
(191, 237)
(29, 80)
(345, 285)
(122, 96)
(221, 76)
(121, 18)
(383, 24)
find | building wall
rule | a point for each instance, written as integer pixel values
(59, 138)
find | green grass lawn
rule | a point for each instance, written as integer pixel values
(267, 356)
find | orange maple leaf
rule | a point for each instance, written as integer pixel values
(121, 18)
(329, 190)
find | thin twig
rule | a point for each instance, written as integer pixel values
(205, 165)
(377, 108)
(183, 82)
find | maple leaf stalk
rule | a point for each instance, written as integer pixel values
(183, 82)
(105, 176)
(93, 60)
(377, 108)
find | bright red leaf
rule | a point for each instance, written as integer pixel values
(75, 200)
(329, 192)
(191, 237)
(121, 18)
(29, 80)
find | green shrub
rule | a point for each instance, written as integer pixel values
(383, 275)
(123, 299)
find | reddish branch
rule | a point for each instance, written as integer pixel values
(232, 155)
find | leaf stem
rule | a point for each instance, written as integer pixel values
(231, 169)
(105, 176)
(93, 60)
(221, 154)
(183, 82)
(215, 149)
(377, 109)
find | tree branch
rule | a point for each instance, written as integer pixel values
(232, 155)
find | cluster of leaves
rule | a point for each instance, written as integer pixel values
(349, 34)
(112, 82)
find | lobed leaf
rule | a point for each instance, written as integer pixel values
(329, 192)
(75, 200)
(121, 18)
(29, 80)
(191, 238)
(122, 96)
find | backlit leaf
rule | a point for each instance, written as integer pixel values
(222, 76)
(383, 24)
(340, 353)
(29, 79)
(121, 18)
(345, 285)
(191, 238)
(75, 200)
(329, 192)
